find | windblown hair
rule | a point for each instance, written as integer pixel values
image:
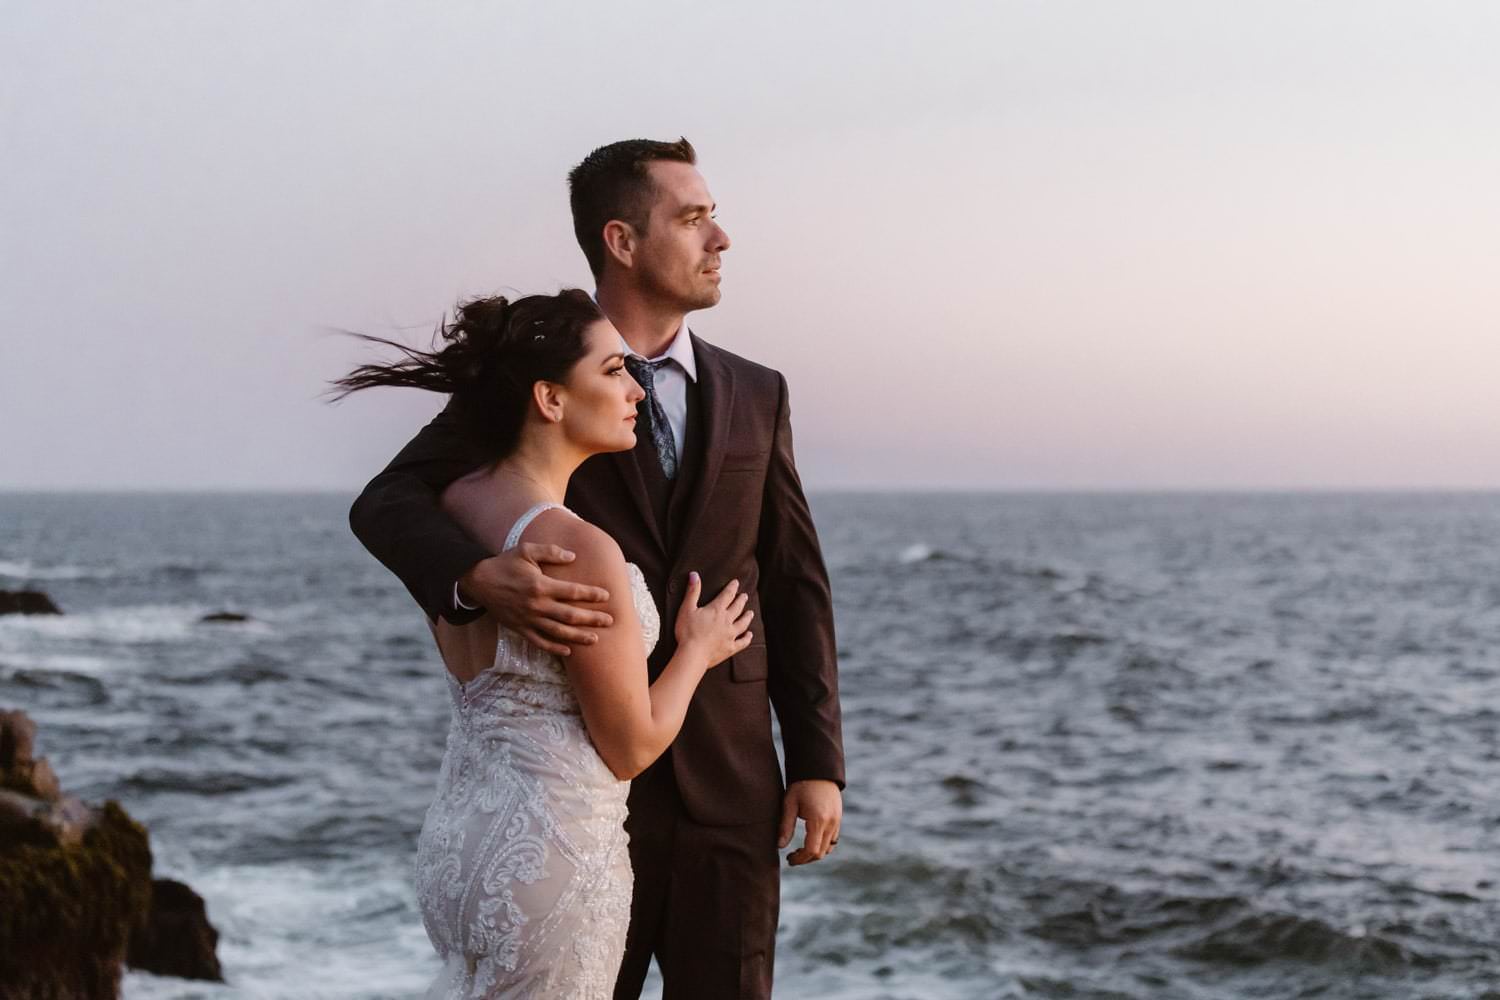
(495, 351)
(612, 182)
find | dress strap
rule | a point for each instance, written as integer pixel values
(512, 539)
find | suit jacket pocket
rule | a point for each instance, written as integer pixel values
(738, 461)
(749, 664)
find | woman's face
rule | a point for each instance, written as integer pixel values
(599, 397)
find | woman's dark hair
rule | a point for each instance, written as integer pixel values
(495, 351)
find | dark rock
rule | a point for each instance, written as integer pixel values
(20, 771)
(76, 890)
(17, 739)
(27, 602)
(225, 616)
(35, 778)
(18, 818)
(44, 781)
(59, 823)
(177, 940)
(67, 912)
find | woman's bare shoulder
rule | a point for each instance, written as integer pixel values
(591, 545)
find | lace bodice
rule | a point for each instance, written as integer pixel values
(523, 869)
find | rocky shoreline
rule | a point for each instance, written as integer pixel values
(77, 900)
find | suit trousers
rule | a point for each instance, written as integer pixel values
(706, 899)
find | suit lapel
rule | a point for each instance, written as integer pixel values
(716, 395)
(630, 473)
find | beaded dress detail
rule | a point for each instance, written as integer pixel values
(523, 868)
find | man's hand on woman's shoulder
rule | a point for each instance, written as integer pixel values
(514, 587)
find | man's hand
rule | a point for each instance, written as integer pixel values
(820, 806)
(513, 588)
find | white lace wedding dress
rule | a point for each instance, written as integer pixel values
(522, 871)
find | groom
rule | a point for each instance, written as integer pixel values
(711, 486)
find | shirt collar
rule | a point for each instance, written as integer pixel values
(679, 350)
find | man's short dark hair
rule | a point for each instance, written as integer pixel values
(613, 182)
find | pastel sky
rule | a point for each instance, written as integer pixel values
(1147, 245)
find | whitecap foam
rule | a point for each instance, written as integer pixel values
(25, 569)
(340, 933)
(57, 663)
(915, 554)
(142, 623)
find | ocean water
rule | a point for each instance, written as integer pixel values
(1108, 746)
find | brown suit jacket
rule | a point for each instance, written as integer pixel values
(745, 518)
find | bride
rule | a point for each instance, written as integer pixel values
(523, 872)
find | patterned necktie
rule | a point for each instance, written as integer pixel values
(644, 372)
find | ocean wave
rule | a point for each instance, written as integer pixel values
(142, 623)
(346, 932)
(1067, 988)
(180, 572)
(38, 664)
(201, 782)
(1109, 915)
(247, 673)
(1225, 930)
(25, 569)
(170, 572)
(1058, 646)
(65, 687)
(912, 924)
(1265, 937)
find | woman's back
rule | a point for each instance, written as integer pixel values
(495, 519)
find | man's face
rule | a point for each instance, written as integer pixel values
(678, 256)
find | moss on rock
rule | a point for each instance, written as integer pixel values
(67, 912)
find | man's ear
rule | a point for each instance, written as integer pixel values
(547, 398)
(620, 241)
